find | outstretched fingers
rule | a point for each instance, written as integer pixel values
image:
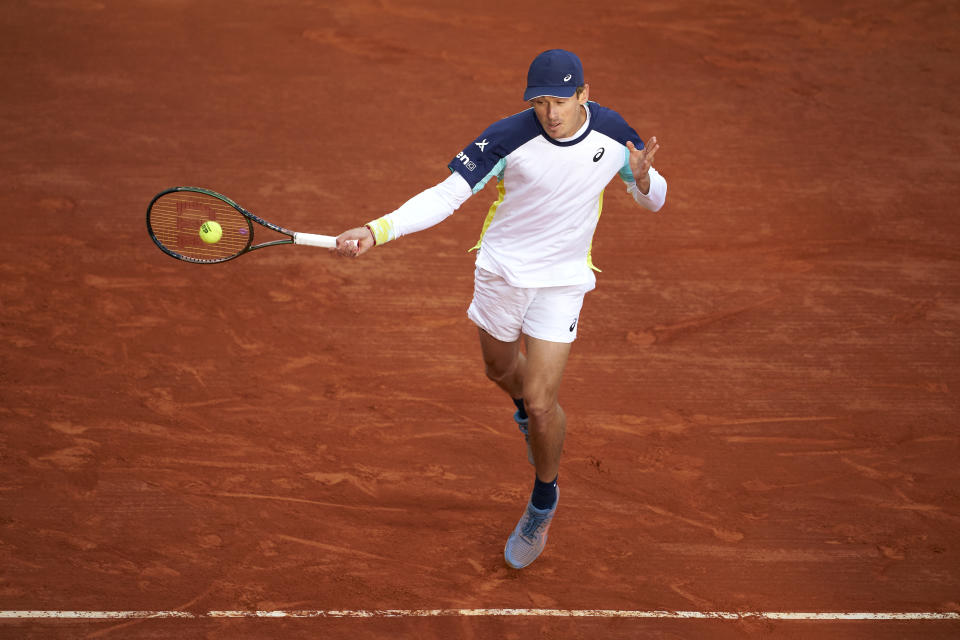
(642, 159)
(652, 147)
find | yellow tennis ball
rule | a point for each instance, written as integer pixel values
(211, 231)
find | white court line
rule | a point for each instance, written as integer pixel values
(444, 613)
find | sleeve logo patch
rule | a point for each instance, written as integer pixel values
(467, 162)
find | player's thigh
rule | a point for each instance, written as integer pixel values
(500, 358)
(546, 362)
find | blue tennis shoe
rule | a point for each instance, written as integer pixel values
(529, 537)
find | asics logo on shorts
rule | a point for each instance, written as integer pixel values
(573, 325)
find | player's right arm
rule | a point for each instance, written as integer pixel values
(422, 211)
(470, 170)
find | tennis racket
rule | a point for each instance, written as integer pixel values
(175, 218)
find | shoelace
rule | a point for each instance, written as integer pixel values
(534, 524)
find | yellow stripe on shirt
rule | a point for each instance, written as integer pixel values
(492, 212)
(590, 248)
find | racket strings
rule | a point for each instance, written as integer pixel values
(175, 219)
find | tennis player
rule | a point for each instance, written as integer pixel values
(552, 163)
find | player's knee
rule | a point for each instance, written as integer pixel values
(541, 407)
(498, 371)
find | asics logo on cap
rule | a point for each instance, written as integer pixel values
(555, 73)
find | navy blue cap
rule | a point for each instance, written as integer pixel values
(555, 73)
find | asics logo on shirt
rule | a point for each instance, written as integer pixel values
(482, 144)
(598, 155)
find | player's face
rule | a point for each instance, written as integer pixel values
(561, 117)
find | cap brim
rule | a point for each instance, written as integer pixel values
(553, 92)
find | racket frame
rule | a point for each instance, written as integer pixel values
(293, 237)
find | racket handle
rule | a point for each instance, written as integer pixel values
(314, 240)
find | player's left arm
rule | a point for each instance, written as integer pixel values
(649, 188)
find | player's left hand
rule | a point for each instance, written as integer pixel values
(640, 162)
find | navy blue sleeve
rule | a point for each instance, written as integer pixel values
(498, 141)
(611, 123)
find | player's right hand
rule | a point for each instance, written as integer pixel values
(354, 242)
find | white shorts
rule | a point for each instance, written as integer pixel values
(505, 311)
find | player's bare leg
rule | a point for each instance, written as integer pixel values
(545, 364)
(541, 375)
(505, 366)
(508, 367)
(505, 363)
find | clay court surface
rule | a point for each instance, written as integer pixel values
(762, 401)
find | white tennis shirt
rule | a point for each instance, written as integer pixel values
(538, 232)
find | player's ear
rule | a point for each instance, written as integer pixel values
(583, 93)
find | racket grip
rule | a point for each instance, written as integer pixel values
(314, 240)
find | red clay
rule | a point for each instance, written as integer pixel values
(762, 400)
